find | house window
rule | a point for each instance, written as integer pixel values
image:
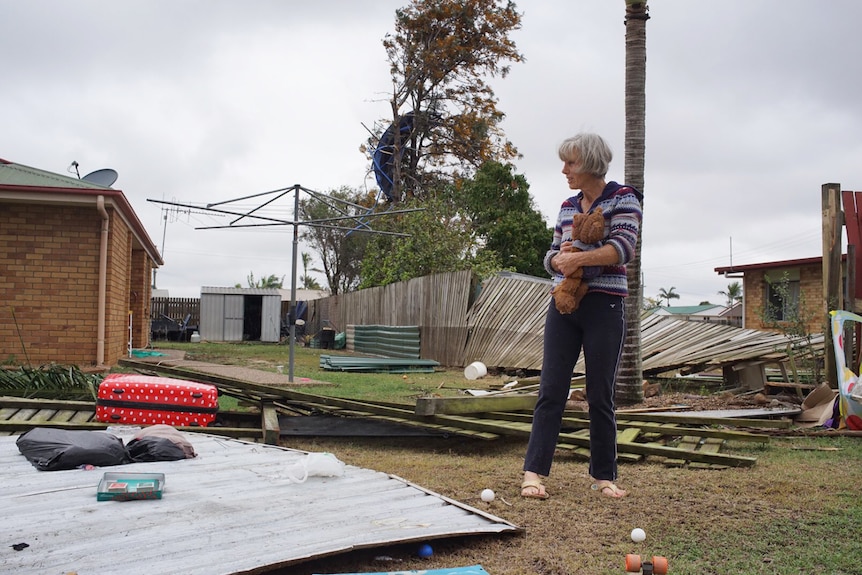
(782, 299)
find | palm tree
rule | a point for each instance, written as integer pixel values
(267, 282)
(733, 293)
(630, 374)
(667, 295)
(307, 281)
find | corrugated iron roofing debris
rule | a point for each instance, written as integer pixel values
(507, 319)
(385, 340)
(377, 364)
(234, 495)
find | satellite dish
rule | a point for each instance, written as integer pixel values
(104, 177)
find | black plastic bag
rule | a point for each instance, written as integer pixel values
(160, 442)
(51, 449)
(155, 449)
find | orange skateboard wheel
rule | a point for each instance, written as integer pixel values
(633, 563)
(659, 565)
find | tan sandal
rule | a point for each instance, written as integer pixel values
(531, 484)
(608, 489)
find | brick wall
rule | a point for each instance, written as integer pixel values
(140, 298)
(49, 285)
(810, 295)
(49, 271)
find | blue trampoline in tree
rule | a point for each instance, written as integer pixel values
(383, 158)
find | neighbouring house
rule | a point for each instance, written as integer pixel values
(705, 312)
(781, 292)
(75, 270)
(732, 315)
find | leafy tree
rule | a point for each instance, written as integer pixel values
(438, 241)
(270, 281)
(334, 229)
(504, 219)
(733, 293)
(440, 55)
(650, 303)
(667, 295)
(308, 282)
(630, 373)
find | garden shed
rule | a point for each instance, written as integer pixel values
(240, 314)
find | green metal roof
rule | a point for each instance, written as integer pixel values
(689, 309)
(19, 175)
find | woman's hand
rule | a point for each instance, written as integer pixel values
(566, 262)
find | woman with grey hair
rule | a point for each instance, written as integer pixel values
(596, 326)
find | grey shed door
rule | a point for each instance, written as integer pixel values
(270, 327)
(233, 317)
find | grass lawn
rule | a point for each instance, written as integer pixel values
(798, 510)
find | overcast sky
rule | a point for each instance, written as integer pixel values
(751, 108)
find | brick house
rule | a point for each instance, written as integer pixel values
(782, 290)
(75, 271)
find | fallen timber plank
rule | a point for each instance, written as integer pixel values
(688, 443)
(582, 452)
(519, 429)
(19, 415)
(479, 404)
(403, 416)
(582, 421)
(20, 426)
(709, 445)
(318, 401)
(485, 425)
(580, 439)
(269, 424)
(22, 403)
(696, 420)
(409, 421)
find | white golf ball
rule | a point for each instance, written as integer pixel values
(487, 495)
(638, 535)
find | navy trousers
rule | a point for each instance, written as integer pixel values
(598, 328)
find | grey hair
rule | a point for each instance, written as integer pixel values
(593, 152)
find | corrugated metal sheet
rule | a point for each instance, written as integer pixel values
(391, 365)
(20, 175)
(507, 321)
(234, 496)
(386, 340)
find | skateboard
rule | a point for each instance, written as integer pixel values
(657, 565)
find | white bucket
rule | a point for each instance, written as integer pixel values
(475, 370)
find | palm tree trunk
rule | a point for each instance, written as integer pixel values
(630, 376)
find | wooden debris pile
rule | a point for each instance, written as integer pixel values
(676, 439)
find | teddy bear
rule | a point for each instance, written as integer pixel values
(589, 229)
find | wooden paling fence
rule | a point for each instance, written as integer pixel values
(176, 308)
(438, 304)
(500, 322)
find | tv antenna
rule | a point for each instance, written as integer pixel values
(173, 211)
(255, 218)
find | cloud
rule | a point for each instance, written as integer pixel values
(751, 107)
